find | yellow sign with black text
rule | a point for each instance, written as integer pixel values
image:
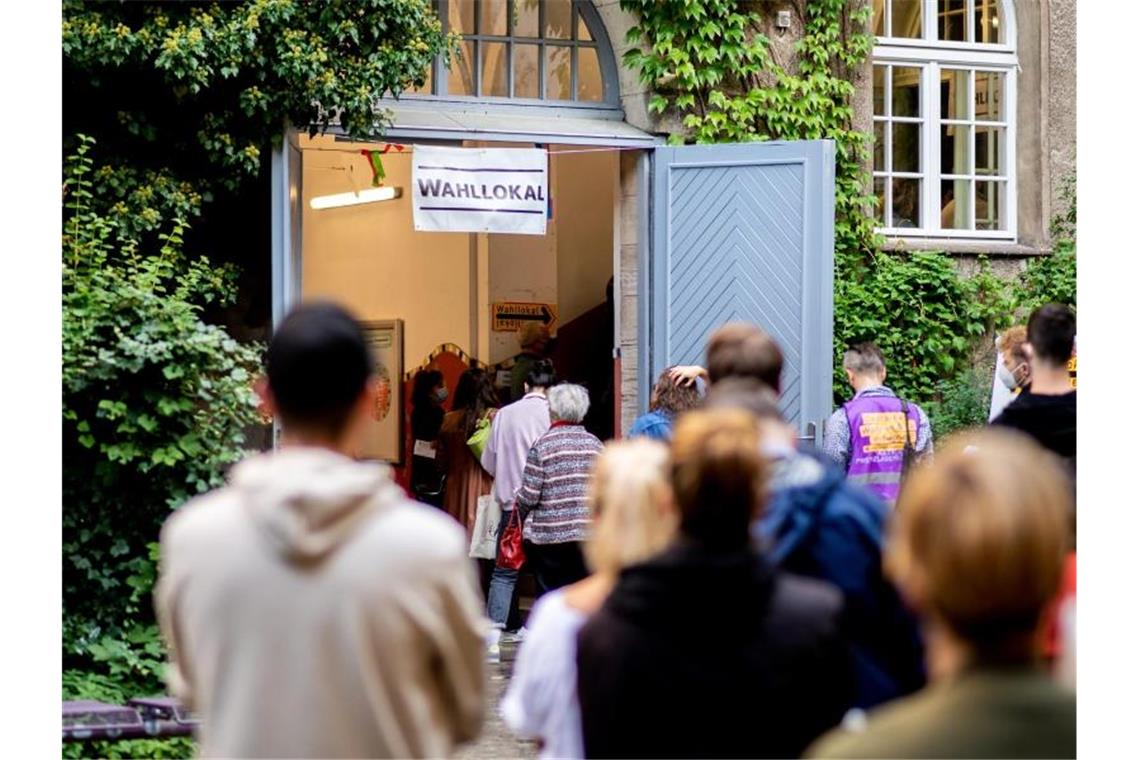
(510, 316)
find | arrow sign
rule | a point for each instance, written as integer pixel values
(509, 316)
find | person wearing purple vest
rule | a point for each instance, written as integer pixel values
(867, 435)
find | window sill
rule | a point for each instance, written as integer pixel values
(951, 245)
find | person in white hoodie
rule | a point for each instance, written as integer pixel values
(311, 609)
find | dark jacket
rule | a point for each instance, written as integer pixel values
(699, 653)
(832, 530)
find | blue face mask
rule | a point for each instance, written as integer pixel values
(441, 394)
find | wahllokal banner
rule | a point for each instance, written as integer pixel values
(479, 190)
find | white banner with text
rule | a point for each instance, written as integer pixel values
(480, 190)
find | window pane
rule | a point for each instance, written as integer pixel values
(955, 204)
(881, 195)
(879, 19)
(955, 94)
(905, 84)
(584, 32)
(906, 205)
(589, 75)
(461, 75)
(989, 96)
(557, 72)
(525, 16)
(557, 19)
(461, 17)
(880, 146)
(955, 149)
(989, 205)
(952, 20)
(906, 18)
(493, 75)
(987, 21)
(905, 147)
(989, 150)
(880, 76)
(492, 16)
(526, 71)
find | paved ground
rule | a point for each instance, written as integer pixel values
(497, 741)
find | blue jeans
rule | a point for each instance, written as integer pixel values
(502, 583)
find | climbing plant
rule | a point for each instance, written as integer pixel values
(709, 64)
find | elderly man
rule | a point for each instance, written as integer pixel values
(876, 435)
(553, 494)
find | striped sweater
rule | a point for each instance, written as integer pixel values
(558, 471)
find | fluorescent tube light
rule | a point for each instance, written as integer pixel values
(369, 195)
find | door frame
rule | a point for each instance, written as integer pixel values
(286, 234)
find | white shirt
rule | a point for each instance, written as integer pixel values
(542, 700)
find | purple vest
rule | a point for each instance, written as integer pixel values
(877, 440)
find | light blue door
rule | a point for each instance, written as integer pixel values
(746, 232)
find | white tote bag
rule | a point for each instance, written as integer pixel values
(484, 537)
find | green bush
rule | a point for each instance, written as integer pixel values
(962, 401)
(156, 405)
(927, 319)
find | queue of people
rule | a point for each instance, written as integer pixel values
(708, 588)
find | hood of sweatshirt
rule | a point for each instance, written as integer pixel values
(307, 501)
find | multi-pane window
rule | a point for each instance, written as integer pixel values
(540, 50)
(943, 116)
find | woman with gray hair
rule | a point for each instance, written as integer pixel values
(553, 496)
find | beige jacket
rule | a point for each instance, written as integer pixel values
(312, 610)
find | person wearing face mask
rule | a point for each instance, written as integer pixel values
(1047, 409)
(1014, 372)
(429, 393)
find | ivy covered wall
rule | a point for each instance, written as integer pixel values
(718, 71)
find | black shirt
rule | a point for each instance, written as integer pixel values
(1051, 420)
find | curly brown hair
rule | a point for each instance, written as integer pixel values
(670, 397)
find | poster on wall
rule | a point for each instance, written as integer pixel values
(480, 190)
(384, 437)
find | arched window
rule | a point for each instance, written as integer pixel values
(945, 105)
(540, 52)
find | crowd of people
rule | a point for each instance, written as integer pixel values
(707, 587)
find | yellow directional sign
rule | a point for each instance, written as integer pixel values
(509, 316)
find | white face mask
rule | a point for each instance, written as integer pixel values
(1006, 377)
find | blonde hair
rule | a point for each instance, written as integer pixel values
(979, 538)
(630, 503)
(718, 475)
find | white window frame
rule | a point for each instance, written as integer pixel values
(931, 54)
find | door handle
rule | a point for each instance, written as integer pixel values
(810, 435)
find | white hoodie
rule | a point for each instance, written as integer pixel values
(312, 610)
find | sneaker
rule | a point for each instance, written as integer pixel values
(513, 637)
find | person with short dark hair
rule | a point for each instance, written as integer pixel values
(1047, 411)
(876, 435)
(514, 430)
(666, 402)
(977, 546)
(818, 525)
(773, 673)
(311, 609)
